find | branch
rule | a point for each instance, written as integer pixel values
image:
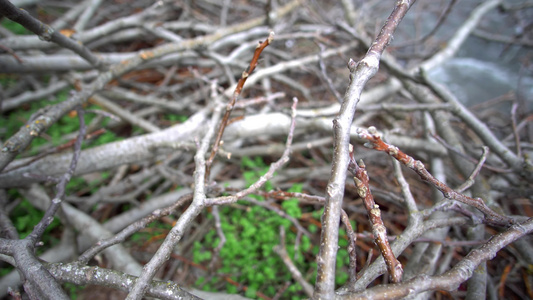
(374, 215)
(131, 229)
(360, 73)
(46, 32)
(176, 233)
(450, 280)
(460, 35)
(37, 282)
(268, 175)
(475, 124)
(229, 108)
(89, 275)
(22, 139)
(375, 142)
(296, 274)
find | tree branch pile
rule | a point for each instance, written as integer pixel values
(119, 118)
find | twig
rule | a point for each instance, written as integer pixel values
(475, 124)
(361, 180)
(229, 108)
(269, 174)
(131, 229)
(406, 107)
(515, 130)
(409, 200)
(23, 137)
(176, 233)
(199, 202)
(282, 214)
(352, 254)
(57, 149)
(47, 219)
(296, 274)
(352, 236)
(375, 142)
(90, 275)
(10, 51)
(503, 38)
(38, 283)
(445, 13)
(503, 279)
(46, 32)
(221, 236)
(450, 280)
(325, 76)
(124, 114)
(463, 155)
(460, 35)
(468, 182)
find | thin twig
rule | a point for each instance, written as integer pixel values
(296, 274)
(361, 180)
(269, 174)
(515, 130)
(131, 229)
(375, 142)
(468, 182)
(472, 160)
(47, 219)
(352, 254)
(444, 14)
(229, 108)
(221, 236)
(47, 33)
(450, 280)
(482, 130)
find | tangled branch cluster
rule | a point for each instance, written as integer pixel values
(131, 64)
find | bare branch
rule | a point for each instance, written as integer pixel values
(375, 142)
(360, 73)
(453, 278)
(229, 108)
(374, 215)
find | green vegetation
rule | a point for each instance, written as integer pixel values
(175, 118)
(251, 231)
(24, 217)
(251, 234)
(55, 135)
(16, 28)
(73, 290)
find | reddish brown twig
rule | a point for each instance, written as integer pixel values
(375, 142)
(503, 279)
(229, 108)
(374, 214)
(10, 51)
